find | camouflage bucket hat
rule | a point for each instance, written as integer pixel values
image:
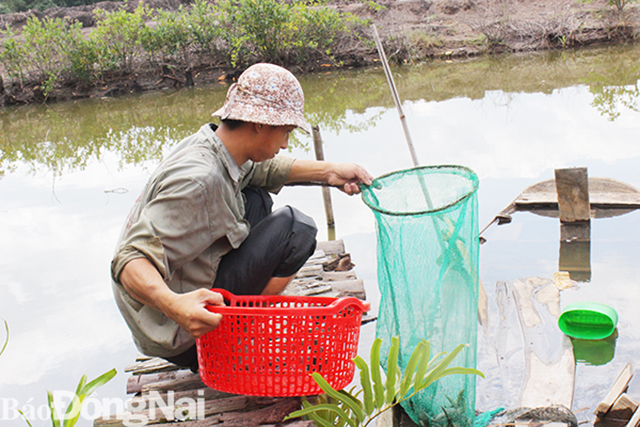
(266, 94)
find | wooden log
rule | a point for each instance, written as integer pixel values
(135, 382)
(326, 194)
(195, 393)
(162, 414)
(150, 366)
(572, 186)
(210, 421)
(618, 387)
(271, 414)
(186, 383)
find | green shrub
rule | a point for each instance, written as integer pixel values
(11, 6)
(232, 33)
(205, 28)
(118, 37)
(12, 57)
(170, 40)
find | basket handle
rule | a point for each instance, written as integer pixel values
(332, 308)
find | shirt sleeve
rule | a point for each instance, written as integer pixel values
(183, 219)
(271, 174)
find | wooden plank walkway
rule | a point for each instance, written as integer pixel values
(604, 193)
(161, 392)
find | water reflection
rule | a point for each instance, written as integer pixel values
(512, 120)
(595, 352)
(66, 136)
(575, 250)
(608, 100)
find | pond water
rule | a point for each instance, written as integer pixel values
(70, 172)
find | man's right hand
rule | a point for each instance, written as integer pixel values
(144, 283)
(190, 311)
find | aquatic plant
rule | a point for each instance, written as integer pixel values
(379, 395)
(83, 390)
(6, 340)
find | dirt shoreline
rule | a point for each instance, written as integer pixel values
(412, 31)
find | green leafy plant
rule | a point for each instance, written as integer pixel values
(6, 340)
(341, 408)
(83, 390)
(118, 37)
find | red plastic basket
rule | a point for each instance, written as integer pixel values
(270, 345)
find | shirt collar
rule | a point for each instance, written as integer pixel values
(237, 173)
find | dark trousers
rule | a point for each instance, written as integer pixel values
(278, 245)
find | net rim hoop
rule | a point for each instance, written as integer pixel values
(472, 190)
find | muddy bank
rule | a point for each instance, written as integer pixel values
(412, 31)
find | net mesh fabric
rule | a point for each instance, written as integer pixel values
(428, 247)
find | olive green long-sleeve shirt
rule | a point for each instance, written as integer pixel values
(188, 216)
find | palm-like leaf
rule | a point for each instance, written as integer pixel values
(83, 390)
(392, 371)
(367, 389)
(341, 408)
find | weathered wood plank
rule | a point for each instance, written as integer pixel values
(603, 193)
(187, 383)
(618, 387)
(152, 365)
(310, 271)
(135, 382)
(547, 382)
(572, 188)
(162, 414)
(338, 276)
(623, 408)
(635, 419)
(331, 247)
(349, 288)
(271, 414)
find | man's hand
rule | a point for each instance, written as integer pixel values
(190, 311)
(143, 282)
(349, 176)
(346, 176)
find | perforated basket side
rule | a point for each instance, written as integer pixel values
(275, 355)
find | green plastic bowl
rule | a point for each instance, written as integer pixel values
(588, 320)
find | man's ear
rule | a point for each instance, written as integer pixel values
(258, 128)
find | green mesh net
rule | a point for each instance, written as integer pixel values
(427, 229)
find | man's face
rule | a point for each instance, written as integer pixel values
(271, 141)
